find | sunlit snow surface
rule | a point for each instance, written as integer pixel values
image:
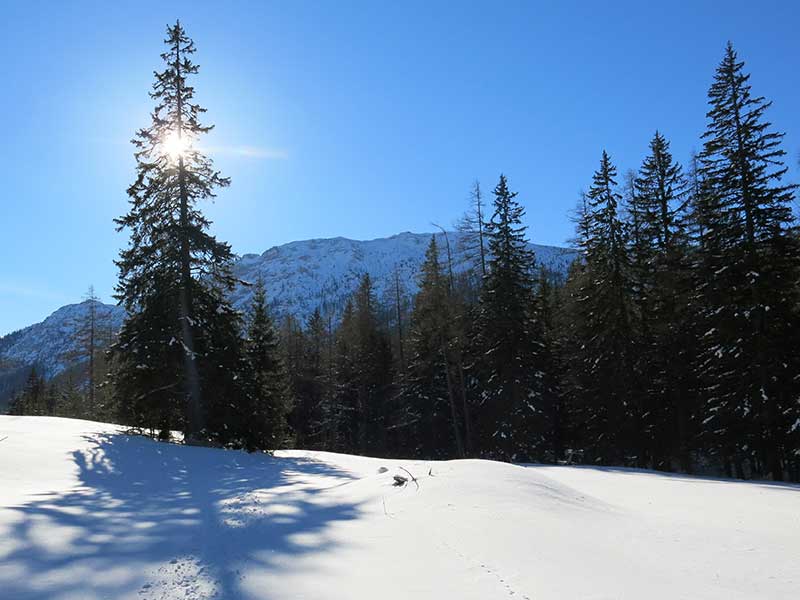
(87, 512)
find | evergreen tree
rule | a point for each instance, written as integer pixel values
(554, 408)
(508, 343)
(662, 285)
(342, 415)
(264, 420)
(364, 376)
(70, 399)
(178, 353)
(33, 399)
(608, 412)
(292, 344)
(749, 261)
(432, 389)
(313, 392)
(374, 369)
(307, 358)
(320, 370)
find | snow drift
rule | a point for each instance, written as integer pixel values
(87, 512)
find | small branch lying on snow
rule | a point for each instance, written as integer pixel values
(414, 479)
(3, 438)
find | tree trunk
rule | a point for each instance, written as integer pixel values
(194, 421)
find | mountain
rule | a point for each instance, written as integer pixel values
(50, 345)
(299, 276)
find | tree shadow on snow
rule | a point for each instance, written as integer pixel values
(168, 521)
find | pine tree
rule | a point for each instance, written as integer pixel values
(319, 370)
(374, 371)
(659, 255)
(179, 351)
(33, 399)
(364, 377)
(432, 390)
(305, 360)
(565, 334)
(343, 420)
(292, 344)
(749, 261)
(508, 342)
(264, 419)
(313, 391)
(608, 413)
(69, 399)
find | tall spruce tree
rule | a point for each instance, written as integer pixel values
(343, 420)
(315, 399)
(749, 262)
(554, 408)
(432, 390)
(657, 210)
(263, 418)
(305, 349)
(178, 353)
(508, 343)
(310, 413)
(364, 376)
(374, 371)
(609, 412)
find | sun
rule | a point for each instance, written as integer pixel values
(174, 146)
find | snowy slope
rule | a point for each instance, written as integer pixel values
(89, 513)
(300, 276)
(51, 343)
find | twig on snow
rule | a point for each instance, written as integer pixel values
(386, 512)
(414, 479)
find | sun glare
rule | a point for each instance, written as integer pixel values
(174, 146)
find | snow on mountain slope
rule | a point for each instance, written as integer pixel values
(87, 512)
(302, 276)
(51, 343)
(299, 276)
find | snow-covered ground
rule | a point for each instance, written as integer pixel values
(87, 512)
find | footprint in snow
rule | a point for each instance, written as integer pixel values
(510, 590)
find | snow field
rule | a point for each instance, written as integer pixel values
(87, 512)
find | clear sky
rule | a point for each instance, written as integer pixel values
(355, 119)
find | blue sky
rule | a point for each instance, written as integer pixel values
(359, 119)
